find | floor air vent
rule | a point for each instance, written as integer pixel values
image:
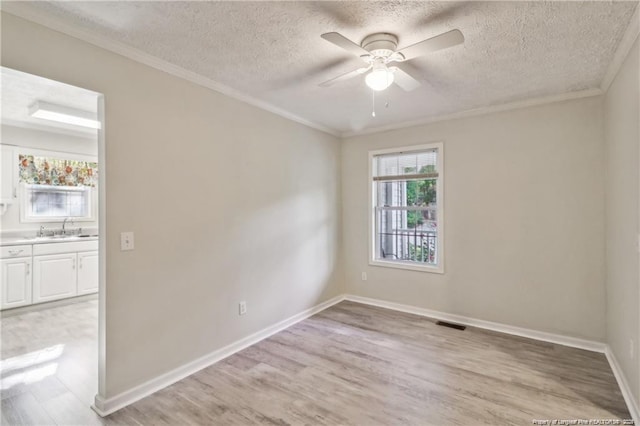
(450, 325)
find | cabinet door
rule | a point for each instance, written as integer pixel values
(54, 277)
(16, 282)
(87, 272)
(7, 178)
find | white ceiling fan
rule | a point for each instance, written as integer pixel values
(379, 51)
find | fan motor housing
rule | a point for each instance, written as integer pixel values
(380, 44)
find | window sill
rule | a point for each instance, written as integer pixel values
(55, 220)
(408, 266)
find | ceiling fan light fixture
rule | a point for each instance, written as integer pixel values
(379, 78)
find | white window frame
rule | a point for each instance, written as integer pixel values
(413, 266)
(24, 207)
(24, 203)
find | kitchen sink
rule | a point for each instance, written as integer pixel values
(61, 237)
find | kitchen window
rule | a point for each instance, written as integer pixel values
(407, 208)
(44, 203)
(54, 188)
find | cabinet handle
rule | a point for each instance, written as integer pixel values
(74, 264)
(28, 268)
(80, 262)
(15, 252)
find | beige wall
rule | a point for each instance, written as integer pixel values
(227, 202)
(622, 139)
(524, 219)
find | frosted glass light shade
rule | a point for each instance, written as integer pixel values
(379, 78)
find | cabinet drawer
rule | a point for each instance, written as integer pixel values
(8, 252)
(71, 247)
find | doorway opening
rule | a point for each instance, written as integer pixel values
(52, 227)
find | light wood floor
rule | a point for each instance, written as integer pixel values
(49, 367)
(354, 364)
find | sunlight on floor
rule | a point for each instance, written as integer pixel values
(29, 368)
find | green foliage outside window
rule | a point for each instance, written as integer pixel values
(419, 193)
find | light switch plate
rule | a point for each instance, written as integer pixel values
(126, 241)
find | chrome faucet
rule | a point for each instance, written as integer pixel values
(41, 232)
(64, 223)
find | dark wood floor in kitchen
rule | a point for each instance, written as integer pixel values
(354, 364)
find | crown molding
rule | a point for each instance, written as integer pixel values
(480, 111)
(621, 53)
(22, 10)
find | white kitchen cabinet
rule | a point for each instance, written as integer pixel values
(15, 274)
(54, 277)
(7, 177)
(36, 273)
(87, 272)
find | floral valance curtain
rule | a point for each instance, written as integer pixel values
(57, 172)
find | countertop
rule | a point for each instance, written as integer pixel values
(15, 241)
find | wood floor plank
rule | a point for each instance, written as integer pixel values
(24, 409)
(67, 409)
(351, 364)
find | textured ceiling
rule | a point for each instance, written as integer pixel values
(272, 51)
(21, 90)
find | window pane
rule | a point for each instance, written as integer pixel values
(405, 164)
(406, 222)
(406, 193)
(45, 201)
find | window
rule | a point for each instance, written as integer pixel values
(53, 189)
(45, 202)
(407, 201)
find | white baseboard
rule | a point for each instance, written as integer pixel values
(107, 406)
(104, 407)
(589, 345)
(632, 404)
(573, 342)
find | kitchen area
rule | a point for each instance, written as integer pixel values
(49, 250)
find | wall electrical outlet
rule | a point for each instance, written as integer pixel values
(364, 276)
(126, 241)
(242, 308)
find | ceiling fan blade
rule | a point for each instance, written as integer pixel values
(345, 76)
(404, 79)
(343, 42)
(439, 42)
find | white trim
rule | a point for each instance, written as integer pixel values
(479, 111)
(107, 406)
(621, 53)
(25, 204)
(21, 10)
(102, 250)
(632, 405)
(439, 268)
(408, 265)
(25, 12)
(559, 339)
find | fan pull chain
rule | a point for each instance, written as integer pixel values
(373, 108)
